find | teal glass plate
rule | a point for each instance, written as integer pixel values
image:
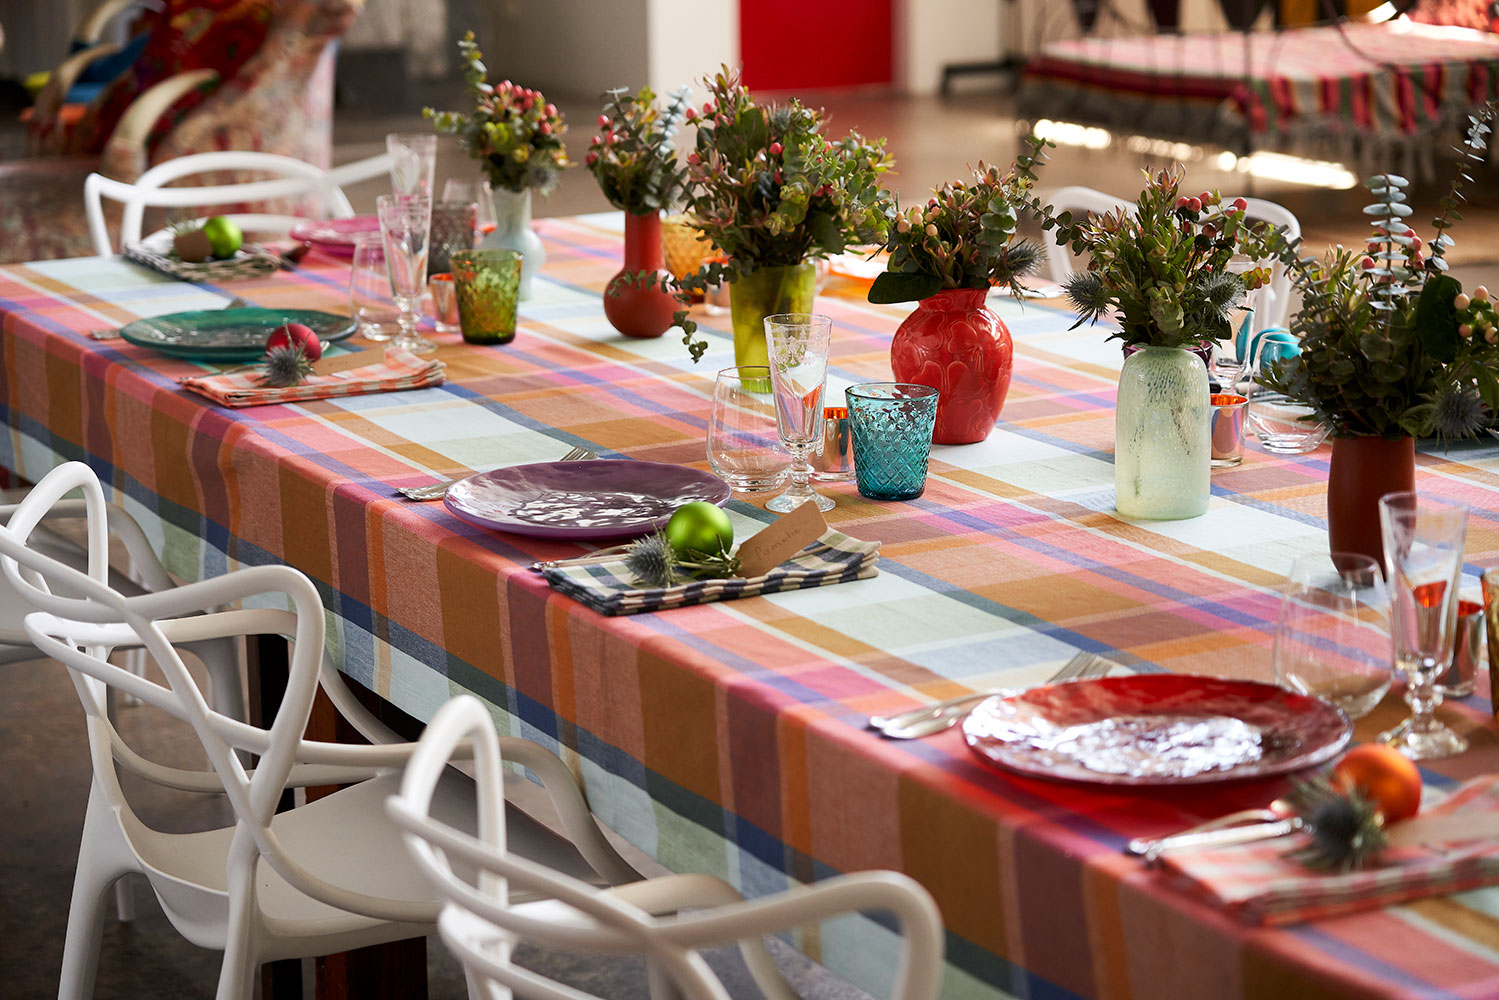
(229, 334)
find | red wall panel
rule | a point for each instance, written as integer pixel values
(794, 44)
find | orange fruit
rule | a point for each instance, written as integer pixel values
(1385, 775)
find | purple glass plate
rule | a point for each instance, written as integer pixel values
(1156, 729)
(336, 236)
(605, 498)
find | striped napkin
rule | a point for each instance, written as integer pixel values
(609, 589)
(400, 370)
(1263, 883)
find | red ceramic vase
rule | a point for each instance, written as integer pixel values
(1363, 470)
(955, 344)
(632, 310)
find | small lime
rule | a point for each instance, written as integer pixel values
(699, 526)
(224, 236)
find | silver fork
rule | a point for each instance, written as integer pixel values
(933, 718)
(436, 491)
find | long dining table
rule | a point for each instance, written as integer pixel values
(730, 738)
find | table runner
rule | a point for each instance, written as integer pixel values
(727, 737)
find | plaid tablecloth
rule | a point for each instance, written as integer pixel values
(728, 737)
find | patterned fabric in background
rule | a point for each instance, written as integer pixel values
(1480, 14)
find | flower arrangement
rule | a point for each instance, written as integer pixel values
(1391, 346)
(767, 187)
(632, 156)
(1163, 270)
(514, 133)
(965, 236)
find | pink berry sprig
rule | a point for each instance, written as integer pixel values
(1476, 314)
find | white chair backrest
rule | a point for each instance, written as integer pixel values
(1274, 305)
(480, 927)
(1079, 201)
(292, 178)
(80, 618)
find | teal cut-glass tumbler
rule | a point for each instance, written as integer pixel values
(891, 423)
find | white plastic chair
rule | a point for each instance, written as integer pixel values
(323, 878)
(482, 917)
(297, 180)
(1079, 201)
(1274, 305)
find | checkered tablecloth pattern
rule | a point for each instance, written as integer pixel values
(728, 738)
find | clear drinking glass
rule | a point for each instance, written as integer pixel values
(474, 190)
(1283, 425)
(370, 300)
(1423, 553)
(744, 445)
(799, 344)
(413, 161)
(1333, 637)
(405, 223)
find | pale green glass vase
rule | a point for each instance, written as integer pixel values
(1162, 435)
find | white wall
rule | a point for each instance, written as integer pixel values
(930, 34)
(688, 39)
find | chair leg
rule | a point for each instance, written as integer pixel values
(124, 900)
(238, 973)
(97, 871)
(135, 662)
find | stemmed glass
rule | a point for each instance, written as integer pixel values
(413, 162)
(799, 345)
(1423, 554)
(405, 224)
(1333, 637)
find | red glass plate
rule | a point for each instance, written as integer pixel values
(336, 236)
(1156, 729)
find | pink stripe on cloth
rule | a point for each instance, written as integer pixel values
(1262, 882)
(400, 370)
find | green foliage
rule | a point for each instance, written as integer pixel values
(965, 237)
(512, 131)
(1163, 272)
(767, 187)
(632, 156)
(1390, 345)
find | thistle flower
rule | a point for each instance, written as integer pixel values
(285, 367)
(650, 561)
(1457, 413)
(1346, 828)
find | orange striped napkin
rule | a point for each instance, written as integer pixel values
(1262, 882)
(400, 370)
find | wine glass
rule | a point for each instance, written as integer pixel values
(799, 345)
(405, 224)
(1423, 553)
(1333, 637)
(743, 445)
(413, 162)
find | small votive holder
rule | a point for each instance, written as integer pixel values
(488, 287)
(455, 227)
(1460, 678)
(834, 461)
(1228, 429)
(891, 425)
(1491, 628)
(444, 303)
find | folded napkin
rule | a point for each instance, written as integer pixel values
(400, 370)
(1262, 882)
(609, 589)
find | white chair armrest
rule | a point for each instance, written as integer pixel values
(91, 27)
(137, 121)
(51, 99)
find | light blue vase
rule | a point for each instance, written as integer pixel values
(512, 231)
(1162, 435)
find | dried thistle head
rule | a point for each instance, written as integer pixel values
(285, 367)
(651, 560)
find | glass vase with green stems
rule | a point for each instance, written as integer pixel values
(769, 291)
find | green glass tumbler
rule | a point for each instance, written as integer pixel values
(891, 423)
(488, 285)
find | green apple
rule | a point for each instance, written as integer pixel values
(700, 526)
(224, 236)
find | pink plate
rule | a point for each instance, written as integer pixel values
(1156, 729)
(336, 236)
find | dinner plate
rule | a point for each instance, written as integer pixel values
(605, 498)
(1156, 729)
(229, 334)
(336, 236)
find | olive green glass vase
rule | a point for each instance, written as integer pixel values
(767, 292)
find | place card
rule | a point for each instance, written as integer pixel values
(1446, 828)
(780, 540)
(327, 365)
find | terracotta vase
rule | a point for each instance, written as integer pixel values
(633, 309)
(1363, 470)
(955, 344)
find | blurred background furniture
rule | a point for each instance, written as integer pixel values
(261, 80)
